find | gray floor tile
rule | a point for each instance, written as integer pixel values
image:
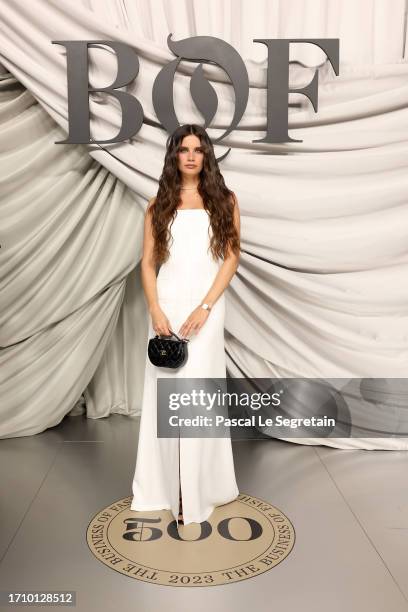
(333, 566)
(24, 464)
(375, 486)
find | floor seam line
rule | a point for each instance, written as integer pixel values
(361, 525)
(30, 504)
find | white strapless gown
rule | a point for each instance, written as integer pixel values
(206, 466)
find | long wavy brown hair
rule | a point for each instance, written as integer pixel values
(217, 198)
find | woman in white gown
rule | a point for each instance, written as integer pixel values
(194, 222)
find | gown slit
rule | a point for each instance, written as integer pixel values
(180, 489)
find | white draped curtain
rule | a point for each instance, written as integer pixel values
(321, 289)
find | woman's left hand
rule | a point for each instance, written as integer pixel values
(194, 322)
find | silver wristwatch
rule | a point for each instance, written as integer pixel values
(206, 306)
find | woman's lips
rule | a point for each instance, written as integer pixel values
(191, 166)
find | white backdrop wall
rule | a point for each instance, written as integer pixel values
(321, 289)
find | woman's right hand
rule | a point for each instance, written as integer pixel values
(160, 322)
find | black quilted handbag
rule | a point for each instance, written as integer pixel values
(165, 352)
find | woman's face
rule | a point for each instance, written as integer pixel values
(190, 155)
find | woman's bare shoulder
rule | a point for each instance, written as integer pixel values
(234, 200)
(150, 204)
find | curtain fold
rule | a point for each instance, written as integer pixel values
(71, 236)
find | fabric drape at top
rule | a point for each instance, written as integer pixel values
(321, 288)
